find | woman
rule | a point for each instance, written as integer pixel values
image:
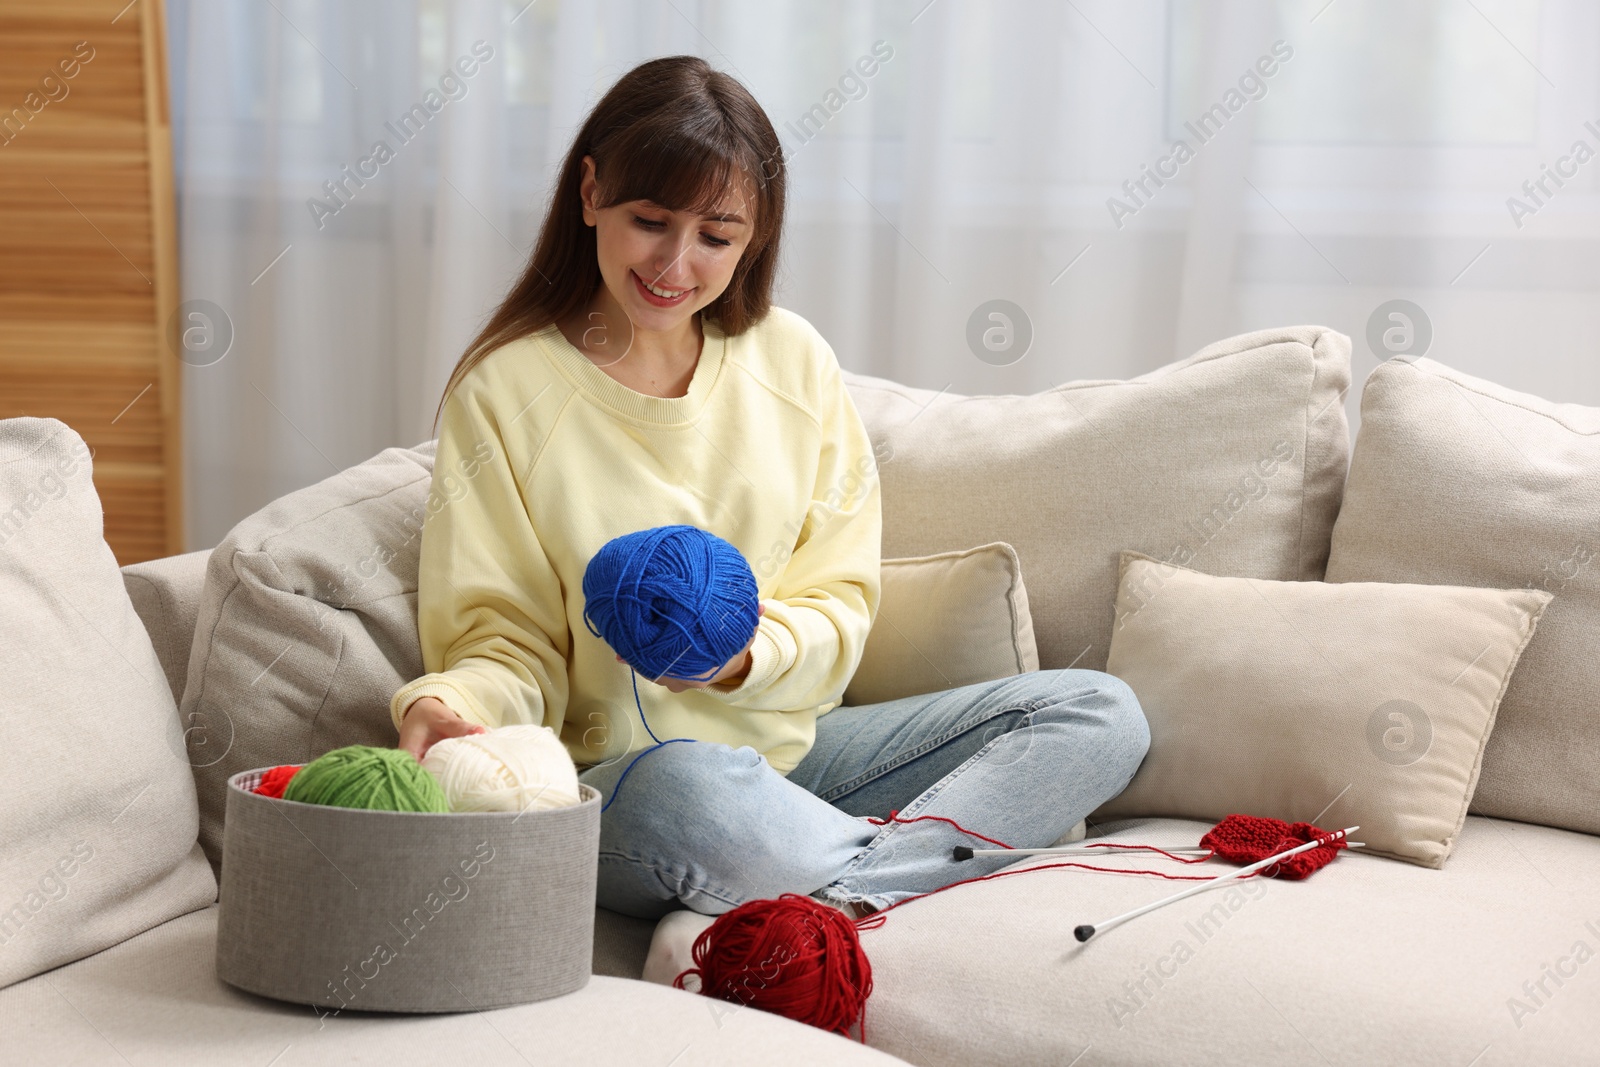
(637, 376)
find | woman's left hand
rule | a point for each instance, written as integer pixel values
(737, 665)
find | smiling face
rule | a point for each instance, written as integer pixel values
(660, 266)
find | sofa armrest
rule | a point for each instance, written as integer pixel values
(166, 594)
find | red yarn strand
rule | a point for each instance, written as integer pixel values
(894, 816)
(1153, 848)
(866, 923)
(800, 958)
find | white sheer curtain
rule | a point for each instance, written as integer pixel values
(984, 158)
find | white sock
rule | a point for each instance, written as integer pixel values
(852, 909)
(672, 946)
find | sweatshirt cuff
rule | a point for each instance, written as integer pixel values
(454, 697)
(766, 663)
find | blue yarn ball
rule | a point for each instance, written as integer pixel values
(673, 600)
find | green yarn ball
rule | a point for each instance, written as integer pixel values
(361, 776)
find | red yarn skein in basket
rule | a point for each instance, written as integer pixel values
(793, 956)
(275, 781)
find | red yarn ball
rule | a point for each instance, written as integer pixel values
(275, 781)
(1248, 839)
(793, 956)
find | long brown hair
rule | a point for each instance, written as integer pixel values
(678, 133)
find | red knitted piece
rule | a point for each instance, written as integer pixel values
(1246, 839)
(275, 781)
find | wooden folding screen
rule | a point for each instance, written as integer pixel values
(88, 251)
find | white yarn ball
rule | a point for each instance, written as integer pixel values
(512, 768)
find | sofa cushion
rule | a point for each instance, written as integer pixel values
(166, 594)
(98, 821)
(946, 620)
(307, 623)
(1366, 962)
(1357, 704)
(157, 999)
(1458, 481)
(1232, 461)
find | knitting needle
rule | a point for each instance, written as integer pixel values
(962, 852)
(1085, 932)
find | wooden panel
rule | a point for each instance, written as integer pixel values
(88, 251)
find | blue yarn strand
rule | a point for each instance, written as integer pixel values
(658, 743)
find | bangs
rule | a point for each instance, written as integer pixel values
(679, 162)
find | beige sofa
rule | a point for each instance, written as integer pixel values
(1489, 959)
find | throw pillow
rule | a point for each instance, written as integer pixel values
(946, 620)
(1232, 460)
(1364, 703)
(1459, 481)
(307, 624)
(98, 822)
(166, 594)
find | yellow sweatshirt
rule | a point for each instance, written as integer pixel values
(543, 458)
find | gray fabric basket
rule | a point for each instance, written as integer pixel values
(405, 911)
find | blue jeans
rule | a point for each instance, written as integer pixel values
(1021, 760)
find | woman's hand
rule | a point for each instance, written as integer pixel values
(739, 665)
(429, 720)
